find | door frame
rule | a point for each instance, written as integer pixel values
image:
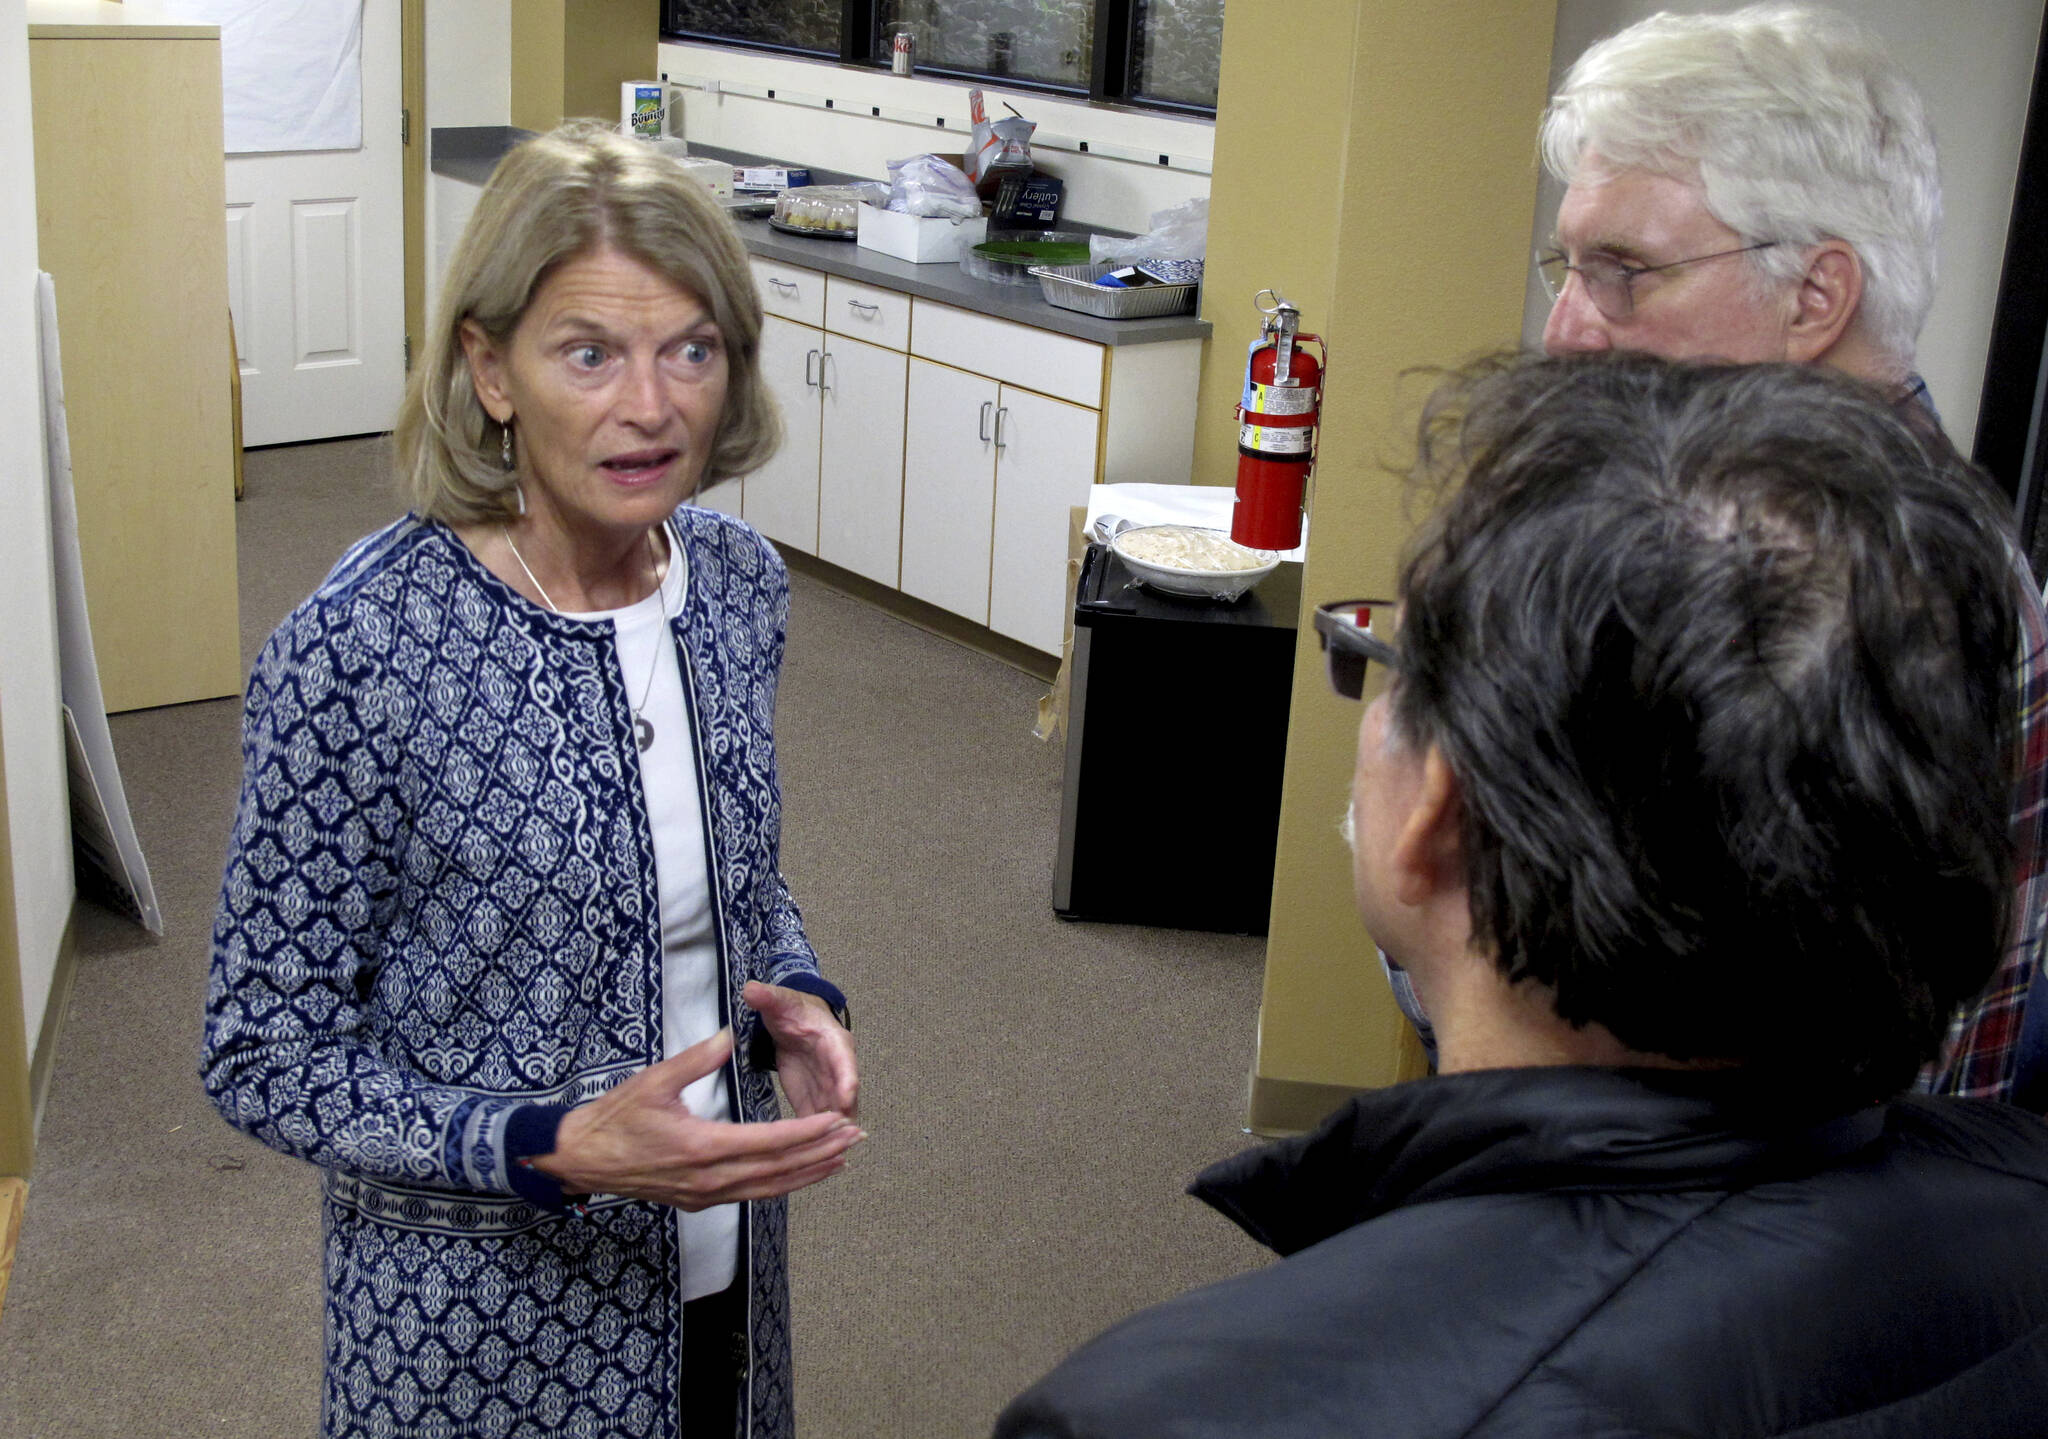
(412, 82)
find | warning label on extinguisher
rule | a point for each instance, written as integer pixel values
(1269, 440)
(1282, 400)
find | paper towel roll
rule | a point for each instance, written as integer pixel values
(651, 109)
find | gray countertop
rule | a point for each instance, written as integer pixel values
(469, 154)
(950, 285)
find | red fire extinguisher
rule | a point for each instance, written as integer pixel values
(1276, 429)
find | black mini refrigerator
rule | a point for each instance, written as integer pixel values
(1176, 739)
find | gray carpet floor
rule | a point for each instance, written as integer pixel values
(1037, 1092)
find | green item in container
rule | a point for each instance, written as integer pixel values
(1035, 252)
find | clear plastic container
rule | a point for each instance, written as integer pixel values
(828, 209)
(1007, 259)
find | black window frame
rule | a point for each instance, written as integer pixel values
(1110, 81)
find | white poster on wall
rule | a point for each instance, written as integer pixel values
(291, 71)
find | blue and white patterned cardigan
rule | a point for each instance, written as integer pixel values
(439, 907)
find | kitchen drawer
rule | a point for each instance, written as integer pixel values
(881, 317)
(790, 291)
(1040, 360)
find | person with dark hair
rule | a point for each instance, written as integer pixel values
(1762, 185)
(1699, 686)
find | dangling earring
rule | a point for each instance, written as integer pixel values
(519, 496)
(505, 442)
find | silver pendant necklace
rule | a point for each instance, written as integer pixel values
(643, 727)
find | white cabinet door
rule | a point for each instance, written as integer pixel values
(949, 488)
(727, 498)
(860, 469)
(1045, 464)
(781, 498)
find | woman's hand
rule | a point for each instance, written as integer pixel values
(641, 1141)
(813, 1051)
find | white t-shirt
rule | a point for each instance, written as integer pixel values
(689, 950)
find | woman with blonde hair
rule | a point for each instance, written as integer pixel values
(504, 946)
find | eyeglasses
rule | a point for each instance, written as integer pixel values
(1609, 283)
(1350, 634)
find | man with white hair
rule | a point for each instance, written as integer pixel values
(1763, 186)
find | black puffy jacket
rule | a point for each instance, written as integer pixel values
(1601, 1253)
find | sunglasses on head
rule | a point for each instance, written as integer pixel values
(1350, 634)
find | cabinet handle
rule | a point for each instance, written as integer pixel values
(789, 285)
(861, 307)
(1004, 410)
(824, 359)
(810, 377)
(982, 429)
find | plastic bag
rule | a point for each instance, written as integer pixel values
(1181, 233)
(998, 147)
(927, 185)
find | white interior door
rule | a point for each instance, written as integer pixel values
(316, 269)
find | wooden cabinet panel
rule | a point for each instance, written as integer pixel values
(860, 469)
(781, 498)
(1045, 464)
(949, 488)
(130, 229)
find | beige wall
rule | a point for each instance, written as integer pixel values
(570, 56)
(1414, 256)
(610, 42)
(36, 806)
(1278, 196)
(469, 62)
(537, 52)
(1101, 190)
(469, 82)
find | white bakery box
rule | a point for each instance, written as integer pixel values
(920, 239)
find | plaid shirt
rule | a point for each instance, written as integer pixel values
(1979, 1058)
(1980, 1055)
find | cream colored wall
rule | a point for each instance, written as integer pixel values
(1416, 257)
(469, 83)
(1100, 191)
(1974, 65)
(469, 62)
(31, 726)
(1264, 234)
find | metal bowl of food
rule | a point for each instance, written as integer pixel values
(1190, 560)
